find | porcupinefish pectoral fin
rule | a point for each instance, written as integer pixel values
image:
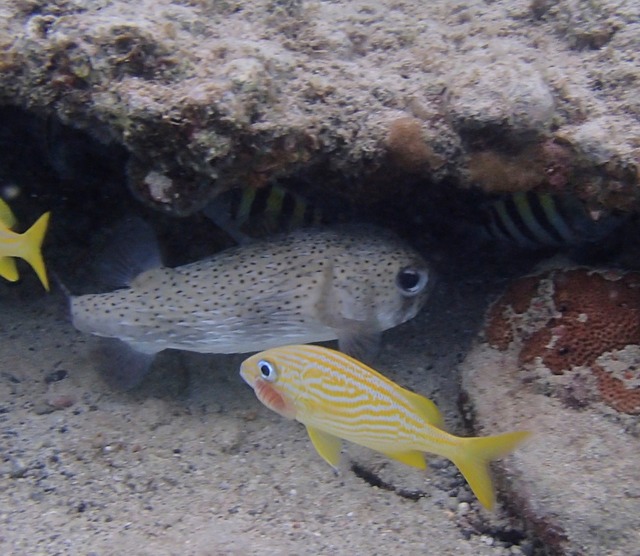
(132, 251)
(8, 269)
(123, 366)
(355, 327)
(360, 343)
(412, 458)
(327, 445)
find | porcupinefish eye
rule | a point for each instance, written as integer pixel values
(267, 370)
(411, 281)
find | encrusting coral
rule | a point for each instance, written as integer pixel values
(564, 320)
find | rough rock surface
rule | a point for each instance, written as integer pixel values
(210, 95)
(562, 358)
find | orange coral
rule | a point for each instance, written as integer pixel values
(498, 330)
(595, 314)
(615, 393)
(588, 313)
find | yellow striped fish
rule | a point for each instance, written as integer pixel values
(337, 397)
(24, 246)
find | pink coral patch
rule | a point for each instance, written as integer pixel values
(565, 319)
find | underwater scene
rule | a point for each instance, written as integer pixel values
(299, 277)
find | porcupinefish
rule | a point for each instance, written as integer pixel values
(535, 220)
(337, 397)
(25, 246)
(347, 283)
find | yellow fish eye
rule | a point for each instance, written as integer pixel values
(267, 370)
(411, 281)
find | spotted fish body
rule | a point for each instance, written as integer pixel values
(348, 284)
(337, 397)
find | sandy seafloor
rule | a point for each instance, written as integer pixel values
(192, 463)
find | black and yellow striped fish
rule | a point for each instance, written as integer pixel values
(257, 212)
(536, 220)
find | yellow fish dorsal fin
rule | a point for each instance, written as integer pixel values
(8, 269)
(426, 408)
(412, 458)
(327, 445)
(6, 216)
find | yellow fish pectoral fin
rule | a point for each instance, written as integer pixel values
(327, 445)
(412, 458)
(8, 269)
(473, 462)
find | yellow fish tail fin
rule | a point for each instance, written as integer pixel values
(32, 243)
(8, 269)
(475, 455)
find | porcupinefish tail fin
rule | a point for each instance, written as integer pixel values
(8, 269)
(132, 251)
(32, 244)
(475, 455)
(121, 365)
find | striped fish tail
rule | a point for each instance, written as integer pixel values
(474, 457)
